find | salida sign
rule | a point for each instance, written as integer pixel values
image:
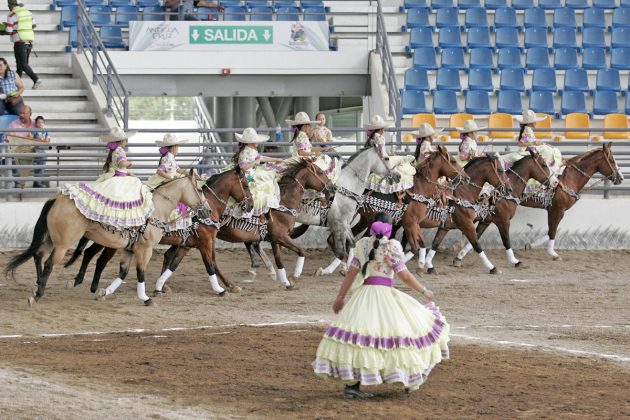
(231, 34)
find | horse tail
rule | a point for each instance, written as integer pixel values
(298, 231)
(39, 236)
(77, 251)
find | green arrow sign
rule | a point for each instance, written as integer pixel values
(231, 34)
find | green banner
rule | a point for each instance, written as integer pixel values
(232, 34)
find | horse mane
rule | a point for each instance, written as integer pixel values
(578, 158)
(292, 170)
(353, 157)
(215, 178)
(475, 161)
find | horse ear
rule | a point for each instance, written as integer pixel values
(608, 145)
(192, 171)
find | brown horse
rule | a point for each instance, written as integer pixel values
(577, 173)
(61, 224)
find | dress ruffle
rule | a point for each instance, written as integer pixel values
(400, 164)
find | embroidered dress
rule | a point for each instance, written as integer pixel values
(467, 151)
(382, 334)
(401, 164)
(114, 199)
(321, 135)
(179, 218)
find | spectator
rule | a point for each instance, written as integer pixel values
(40, 159)
(321, 133)
(11, 88)
(183, 9)
(20, 25)
(25, 121)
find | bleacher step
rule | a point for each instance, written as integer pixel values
(44, 92)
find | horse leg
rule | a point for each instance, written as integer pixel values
(281, 272)
(254, 266)
(286, 241)
(554, 216)
(504, 231)
(481, 228)
(467, 227)
(207, 254)
(437, 240)
(172, 257)
(55, 257)
(321, 271)
(143, 256)
(265, 259)
(88, 254)
(122, 274)
(101, 263)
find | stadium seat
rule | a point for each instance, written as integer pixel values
(565, 38)
(154, 13)
(624, 3)
(573, 101)
(509, 102)
(535, 37)
(315, 14)
(207, 13)
(92, 3)
(120, 3)
(62, 3)
(261, 13)
(608, 79)
(449, 37)
(311, 3)
(501, 120)
(594, 18)
(620, 59)
(605, 4)
(419, 119)
(544, 80)
(73, 40)
(480, 79)
(479, 38)
(594, 58)
(621, 17)
(418, 18)
(542, 102)
(453, 58)
(535, 18)
(564, 18)
(566, 58)
(546, 123)
(605, 102)
(578, 4)
(476, 17)
(417, 79)
(424, 58)
(593, 37)
(441, 4)
(445, 102)
(505, 18)
(281, 4)
(148, 3)
(523, 4)
(69, 16)
(627, 110)
(577, 120)
(447, 18)
(506, 38)
(413, 102)
(616, 121)
(416, 4)
(288, 14)
(477, 102)
(249, 4)
(468, 4)
(509, 58)
(126, 14)
(100, 15)
(481, 58)
(576, 80)
(234, 13)
(421, 37)
(448, 79)
(537, 58)
(620, 37)
(457, 120)
(550, 4)
(495, 4)
(112, 37)
(512, 79)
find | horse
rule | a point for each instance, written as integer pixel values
(577, 172)
(61, 224)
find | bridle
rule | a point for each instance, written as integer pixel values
(502, 188)
(540, 166)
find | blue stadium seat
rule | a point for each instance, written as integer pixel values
(594, 18)
(207, 13)
(282, 4)
(478, 102)
(605, 102)
(100, 15)
(605, 4)
(594, 58)
(73, 38)
(535, 18)
(92, 3)
(119, 3)
(620, 37)
(417, 79)
(62, 3)
(479, 38)
(154, 13)
(476, 17)
(148, 3)
(550, 4)
(564, 18)
(315, 14)
(509, 58)
(620, 59)
(424, 58)
(421, 37)
(311, 3)
(495, 4)
(544, 80)
(627, 109)
(448, 79)
(565, 38)
(480, 79)
(535, 37)
(593, 37)
(447, 17)
(512, 79)
(288, 14)
(509, 102)
(608, 79)
(418, 18)
(468, 4)
(234, 13)
(505, 18)
(249, 4)
(413, 102)
(69, 16)
(542, 102)
(624, 3)
(481, 58)
(577, 4)
(621, 17)
(506, 38)
(261, 13)
(576, 80)
(566, 58)
(573, 101)
(445, 102)
(126, 14)
(416, 4)
(441, 4)
(537, 58)
(453, 58)
(112, 37)
(449, 37)
(523, 4)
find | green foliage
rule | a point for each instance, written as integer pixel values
(166, 108)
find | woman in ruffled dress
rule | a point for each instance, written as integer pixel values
(381, 335)
(468, 149)
(321, 133)
(424, 142)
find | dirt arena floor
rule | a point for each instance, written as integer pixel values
(549, 340)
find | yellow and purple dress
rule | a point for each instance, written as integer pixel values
(327, 164)
(382, 335)
(401, 164)
(115, 199)
(179, 218)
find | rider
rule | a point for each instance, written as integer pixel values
(168, 168)
(467, 149)
(424, 142)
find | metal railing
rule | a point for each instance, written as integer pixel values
(103, 71)
(205, 122)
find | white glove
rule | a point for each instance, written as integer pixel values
(3, 96)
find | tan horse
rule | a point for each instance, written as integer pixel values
(61, 224)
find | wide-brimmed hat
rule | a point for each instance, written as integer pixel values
(170, 140)
(528, 117)
(301, 118)
(377, 123)
(250, 136)
(469, 127)
(425, 130)
(117, 134)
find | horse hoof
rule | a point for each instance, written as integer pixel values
(290, 287)
(519, 265)
(272, 275)
(221, 294)
(158, 293)
(236, 289)
(495, 271)
(528, 246)
(100, 294)
(557, 258)
(69, 284)
(149, 302)
(457, 262)
(31, 301)
(320, 272)
(431, 270)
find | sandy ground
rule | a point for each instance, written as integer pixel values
(551, 339)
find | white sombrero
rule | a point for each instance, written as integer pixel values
(469, 127)
(170, 140)
(528, 117)
(425, 130)
(117, 134)
(301, 118)
(250, 136)
(377, 123)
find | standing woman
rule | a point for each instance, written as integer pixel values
(321, 133)
(11, 85)
(381, 335)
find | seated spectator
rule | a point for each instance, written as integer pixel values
(25, 121)
(183, 9)
(11, 88)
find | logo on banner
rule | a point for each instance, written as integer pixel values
(298, 35)
(231, 34)
(162, 32)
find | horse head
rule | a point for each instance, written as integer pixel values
(220, 187)
(608, 165)
(488, 169)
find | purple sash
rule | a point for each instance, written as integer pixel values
(118, 173)
(379, 281)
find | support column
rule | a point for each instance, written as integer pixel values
(245, 112)
(209, 101)
(283, 110)
(264, 105)
(308, 104)
(224, 116)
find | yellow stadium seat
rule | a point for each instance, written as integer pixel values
(420, 119)
(546, 123)
(577, 120)
(500, 120)
(616, 121)
(457, 120)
